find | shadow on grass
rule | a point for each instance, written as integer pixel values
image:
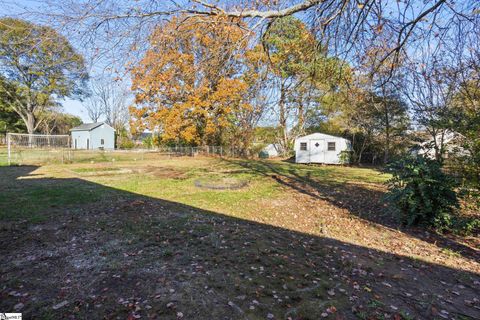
(127, 255)
(363, 202)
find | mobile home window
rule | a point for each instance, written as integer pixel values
(102, 142)
(331, 146)
(303, 146)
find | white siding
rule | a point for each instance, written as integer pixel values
(80, 138)
(104, 132)
(317, 149)
(92, 139)
(302, 156)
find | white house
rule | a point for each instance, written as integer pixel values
(320, 148)
(93, 136)
(452, 145)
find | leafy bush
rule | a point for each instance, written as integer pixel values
(126, 143)
(468, 223)
(345, 157)
(422, 192)
(467, 226)
(148, 142)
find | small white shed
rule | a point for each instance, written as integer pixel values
(93, 136)
(320, 148)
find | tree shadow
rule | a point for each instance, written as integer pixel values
(360, 200)
(126, 255)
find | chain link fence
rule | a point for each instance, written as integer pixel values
(37, 155)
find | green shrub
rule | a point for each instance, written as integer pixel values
(263, 154)
(126, 143)
(467, 226)
(148, 142)
(422, 192)
(345, 157)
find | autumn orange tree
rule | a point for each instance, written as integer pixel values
(191, 84)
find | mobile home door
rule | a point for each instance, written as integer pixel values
(317, 151)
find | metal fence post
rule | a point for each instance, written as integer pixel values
(8, 147)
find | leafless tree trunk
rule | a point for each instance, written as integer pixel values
(94, 109)
(431, 92)
(386, 114)
(282, 109)
(109, 100)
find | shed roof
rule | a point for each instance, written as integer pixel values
(318, 135)
(87, 126)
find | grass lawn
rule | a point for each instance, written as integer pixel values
(139, 239)
(3, 156)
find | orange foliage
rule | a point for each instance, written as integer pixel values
(189, 83)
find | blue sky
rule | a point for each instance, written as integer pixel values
(18, 8)
(76, 108)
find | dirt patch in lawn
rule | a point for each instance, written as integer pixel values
(221, 183)
(162, 172)
(101, 171)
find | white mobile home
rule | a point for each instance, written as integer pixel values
(93, 136)
(320, 148)
(452, 145)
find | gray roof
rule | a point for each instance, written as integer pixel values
(87, 126)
